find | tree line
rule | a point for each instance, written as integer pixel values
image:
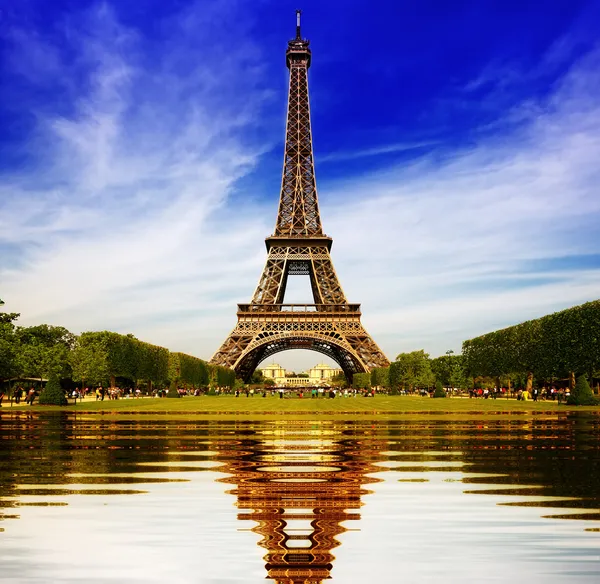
(98, 358)
(560, 346)
(416, 369)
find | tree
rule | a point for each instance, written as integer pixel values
(413, 370)
(380, 377)
(8, 315)
(257, 377)
(582, 395)
(186, 369)
(221, 376)
(557, 345)
(450, 370)
(458, 375)
(89, 362)
(339, 380)
(9, 350)
(44, 351)
(152, 363)
(124, 356)
(394, 376)
(53, 394)
(439, 390)
(441, 369)
(361, 380)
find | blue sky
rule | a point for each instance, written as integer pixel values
(456, 144)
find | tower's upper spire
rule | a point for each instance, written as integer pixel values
(298, 35)
(298, 206)
(298, 47)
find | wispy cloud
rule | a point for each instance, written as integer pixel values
(441, 250)
(126, 186)
(346, 155)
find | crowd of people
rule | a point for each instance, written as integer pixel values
(559, 394)
(315, 392)
(545, 393)
(28, 396)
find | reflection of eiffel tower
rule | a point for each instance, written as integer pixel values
(299, 492)
(299, 247)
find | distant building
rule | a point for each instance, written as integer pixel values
(273, 371)
(318, 375)
(322, 373)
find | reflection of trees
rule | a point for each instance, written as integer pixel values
(299, 492)
(557, 454)
(62, 449)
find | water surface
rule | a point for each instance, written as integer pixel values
(93, 499)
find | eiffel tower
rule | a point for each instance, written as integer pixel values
(299, 247)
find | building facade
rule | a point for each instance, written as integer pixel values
(273, 371)
(319, 375)
(322, 373)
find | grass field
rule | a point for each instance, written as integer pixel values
(259, 407)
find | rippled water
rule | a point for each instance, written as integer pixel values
(92, 499)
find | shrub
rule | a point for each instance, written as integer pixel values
(53, 394)
(439, 390)
(582, 395)
(172, 391)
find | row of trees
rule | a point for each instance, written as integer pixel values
(558, 346)
(416, 370)
(562, 345)
(94, 358)
(38, 351)
(101, 356)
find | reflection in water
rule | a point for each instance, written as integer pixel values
(299, 486)
(300, 499)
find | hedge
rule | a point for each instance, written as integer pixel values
(221, 376)
(582, 394)
(552, 346)
(100, 356)
(126, 356)
(188, 370)
(439, 390)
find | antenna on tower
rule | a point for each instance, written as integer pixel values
(298, 36)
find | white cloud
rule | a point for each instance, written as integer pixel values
(438, 251)
(123, 220)
(344, 155)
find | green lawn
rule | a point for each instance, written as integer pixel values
(381, 406)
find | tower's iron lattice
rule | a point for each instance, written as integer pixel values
(299, 247)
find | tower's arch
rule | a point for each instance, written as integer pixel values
(335, 348)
